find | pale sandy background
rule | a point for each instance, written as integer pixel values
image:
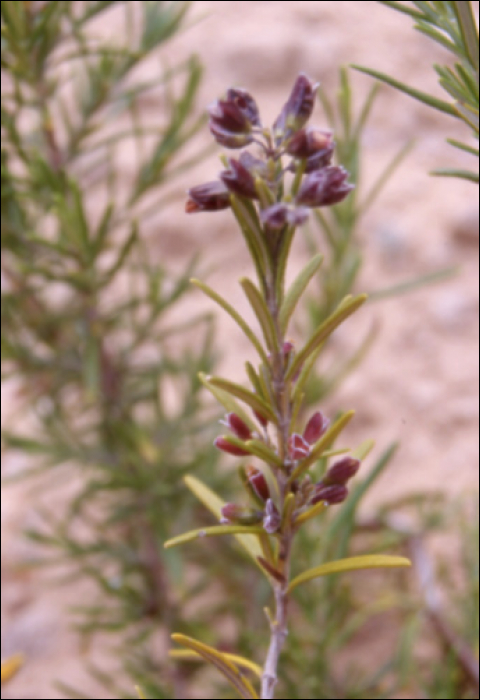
(420, 382)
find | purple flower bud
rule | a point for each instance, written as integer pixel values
(223, 444)
(258, 481)
(310, 141)
(212, 196)
(239, 180)
(336, 493)
(341, 471)
(229, 139)
(298, 447)
(279, 215)
(316, 427)
(323, 187)
(246, 104)
(231, 513)
(320, 159)
(272, 519)
(231, 120)
(298, 108)
(238, 426)
(255, 166)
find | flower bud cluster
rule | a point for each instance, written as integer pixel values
(333, 487)
(235, 123)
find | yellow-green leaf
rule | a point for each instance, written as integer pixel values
(363, 450)
(261, 312)
(212, 531)
(310, 513)
(241, 661)
(227, 400)
(214, 504)
(251, 399)
(233, 314)
(221, 662)
(346, 307)
(297, 289)
(366, 561)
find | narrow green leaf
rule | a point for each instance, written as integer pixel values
(411, 285)
(248, 397)
(440, 105)
(261, 312)
(296, 290)
(236, 316)
(402, 8)
(241, 661)
(214, 504)
(321, 445)
(212, 531)
(468, 28)
(468, 115)
(123, 254)
(227, 400)
(262, 451)
(452, 172)
(464, 147)
(254, 379)
(221, 662)
(344, 310)
(363, 450)
(383, 178)
(310, 513)
(366, 561)
(252, 233)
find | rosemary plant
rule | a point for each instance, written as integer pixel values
(92, 345)
(450, 24)
(271, 193)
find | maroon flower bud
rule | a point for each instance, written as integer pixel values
(231, 513)
(336, 493)
(316, 427)
(279, 215)
(238, 426)
(246, 104)
(239, 180)
(261, 419)
(287, 348)
(298, 108)
(342, 471)
(258, 481)
(223, 444)
(212, 196)
(298, 447)
(272, 519)
(323, 187)
(310, 141)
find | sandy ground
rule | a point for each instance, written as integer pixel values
(419, 383)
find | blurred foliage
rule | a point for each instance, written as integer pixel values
(341, 230)
(452, 25)
(94, 342)
(97, 347)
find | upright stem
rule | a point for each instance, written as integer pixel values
(278, 625)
